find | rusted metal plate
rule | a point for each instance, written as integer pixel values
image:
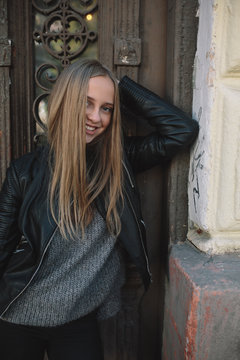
(5, 52)
(127, 52)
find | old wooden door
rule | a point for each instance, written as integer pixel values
(130, 38)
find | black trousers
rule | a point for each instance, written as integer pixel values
(77, 340)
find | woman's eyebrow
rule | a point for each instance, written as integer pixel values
(90, 98)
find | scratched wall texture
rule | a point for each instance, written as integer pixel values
(214, 186)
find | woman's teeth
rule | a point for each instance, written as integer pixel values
(90, 128)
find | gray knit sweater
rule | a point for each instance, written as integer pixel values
(76, 277)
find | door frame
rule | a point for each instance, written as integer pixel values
(16, 139)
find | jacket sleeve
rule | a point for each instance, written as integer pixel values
(174, 129)
(10, 202)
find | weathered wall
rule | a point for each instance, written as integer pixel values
(202, 302)
(214, 189)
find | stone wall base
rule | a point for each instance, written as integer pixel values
(202, 306)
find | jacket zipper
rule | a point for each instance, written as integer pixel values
(140, 233)
(34, 274)
(128, 174)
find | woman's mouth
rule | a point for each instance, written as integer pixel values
(90, 128)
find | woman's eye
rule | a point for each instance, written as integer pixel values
(107, 109)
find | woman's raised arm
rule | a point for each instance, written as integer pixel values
(174, 129)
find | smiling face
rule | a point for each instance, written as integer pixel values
(100, 103)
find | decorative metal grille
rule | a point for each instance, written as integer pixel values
(64, 31)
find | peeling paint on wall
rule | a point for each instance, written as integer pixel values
(214, 185)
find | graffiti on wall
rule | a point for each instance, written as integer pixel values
(197, 166)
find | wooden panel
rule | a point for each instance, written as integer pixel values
(5, 145)
(121, 335)
(152, 72)
(182, 34)
(5, 61)
(105, 32)
(136, 332)
(20, 32)
(127, 27)
(153, 32)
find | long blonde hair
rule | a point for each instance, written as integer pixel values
(75, 184)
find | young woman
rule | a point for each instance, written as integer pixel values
(68, 208)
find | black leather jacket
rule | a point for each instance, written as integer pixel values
(26, 224)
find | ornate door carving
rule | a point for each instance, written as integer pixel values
(63, 31)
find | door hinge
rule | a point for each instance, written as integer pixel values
(127, 51)
(5, 52)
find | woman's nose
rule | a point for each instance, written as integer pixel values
(94, 115)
